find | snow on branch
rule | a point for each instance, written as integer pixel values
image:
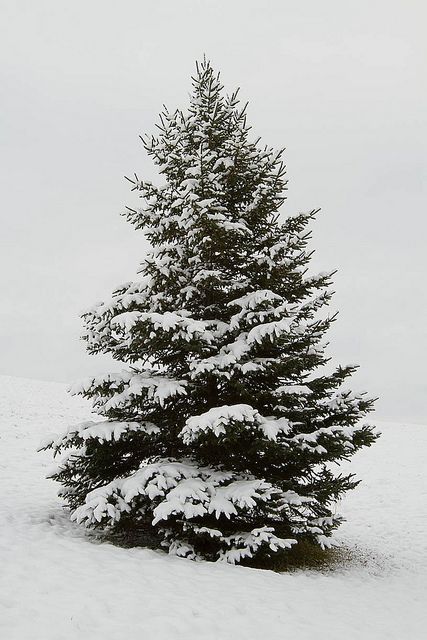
(122, 298)
(228, 356)
(180, 489)
(292, 389)
(253, 299)
(246, 544)
(106, 430)
(129, 385)
(258, 306)
(218, 419)
(182, 324)
(158, 388)
(271, 330)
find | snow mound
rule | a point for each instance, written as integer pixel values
(58, 582)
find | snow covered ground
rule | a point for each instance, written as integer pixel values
(58, 584)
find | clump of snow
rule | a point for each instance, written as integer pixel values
(217, 419)
(130, 384)
(297, 389)
(180, 488)
(102, 431)
(181, 325)
(244, 545)
(269, 330)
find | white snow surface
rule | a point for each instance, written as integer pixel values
(57, 582)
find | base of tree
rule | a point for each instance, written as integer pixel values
(304, 555)
(129, 536)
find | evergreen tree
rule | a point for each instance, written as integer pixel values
(217, 438)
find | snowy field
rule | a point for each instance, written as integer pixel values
(58, 584)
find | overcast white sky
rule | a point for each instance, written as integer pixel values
(341, 84)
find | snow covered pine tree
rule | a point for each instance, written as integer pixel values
(218, 436)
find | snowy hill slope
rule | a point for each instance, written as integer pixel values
(57, 584)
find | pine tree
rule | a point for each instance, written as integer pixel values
(217, 437)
